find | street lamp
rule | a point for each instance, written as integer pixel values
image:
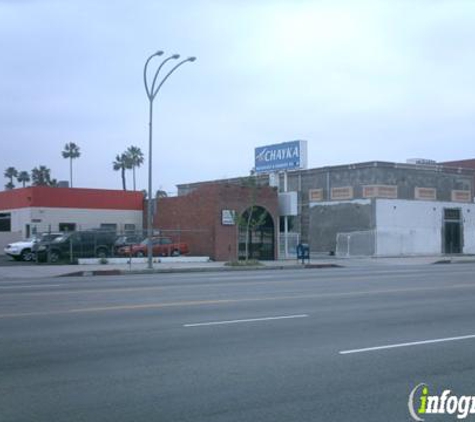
(152, 92)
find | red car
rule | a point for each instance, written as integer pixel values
(161, 246)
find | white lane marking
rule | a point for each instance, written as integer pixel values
(238, 321)
(415, 343)
(34, 286)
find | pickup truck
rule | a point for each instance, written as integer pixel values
(161, 246)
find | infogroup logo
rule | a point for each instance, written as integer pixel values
(421, 403)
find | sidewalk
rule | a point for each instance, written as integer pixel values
(45, 271)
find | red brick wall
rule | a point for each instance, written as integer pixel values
(198, 216)
(238, 198)
(190, 218)
(467, 164)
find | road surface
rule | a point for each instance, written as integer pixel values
(304, 345)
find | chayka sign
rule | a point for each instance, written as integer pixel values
(280, 157)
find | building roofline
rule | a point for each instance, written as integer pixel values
(54, 197)
(439, 167)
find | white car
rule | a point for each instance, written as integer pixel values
(24, 249)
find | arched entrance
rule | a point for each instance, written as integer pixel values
(256, 229)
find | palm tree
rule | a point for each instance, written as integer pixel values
(161, 194)
(71, 151)
(23, 177)
(41, 176)
(10, 173)
(122, 162)
(136, 158)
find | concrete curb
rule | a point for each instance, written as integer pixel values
(29, 272)
(310, 266)
(156, 260)
(451, 261)
(197, 270)
(91, 273)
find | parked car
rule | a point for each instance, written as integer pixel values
(161, 246)
(126, 240)
(73, 245)
(24, 250)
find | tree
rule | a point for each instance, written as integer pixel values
(122, 163)
(136, 158)
(10, 173)
(161, 194)
(71, 151)
(41, 176)
(23, 177)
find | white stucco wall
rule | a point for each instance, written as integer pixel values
(415, 227)
(19, 218)
(49, 218)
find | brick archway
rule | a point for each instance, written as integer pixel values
(261, 234)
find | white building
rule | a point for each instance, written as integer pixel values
(408, 228)
(30, 210)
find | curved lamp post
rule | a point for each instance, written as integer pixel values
(152, 92)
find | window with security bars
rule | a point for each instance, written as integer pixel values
(5, 222)
(452, 214)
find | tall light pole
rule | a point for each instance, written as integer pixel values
(152, 92)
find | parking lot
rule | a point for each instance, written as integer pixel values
(7, 261)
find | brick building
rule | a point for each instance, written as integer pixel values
(204, 218)
(461, 164)
(380, 208)
(465, 164)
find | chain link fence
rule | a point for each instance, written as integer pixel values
(293, 239)
(359, 243)
(46, 245)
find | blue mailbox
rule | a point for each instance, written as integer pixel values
(303, 252)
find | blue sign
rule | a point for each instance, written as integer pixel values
(280, 157)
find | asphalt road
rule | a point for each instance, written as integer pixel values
(252, 346)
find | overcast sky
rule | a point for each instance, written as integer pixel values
(360, 80)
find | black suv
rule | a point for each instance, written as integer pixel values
(73, 245)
